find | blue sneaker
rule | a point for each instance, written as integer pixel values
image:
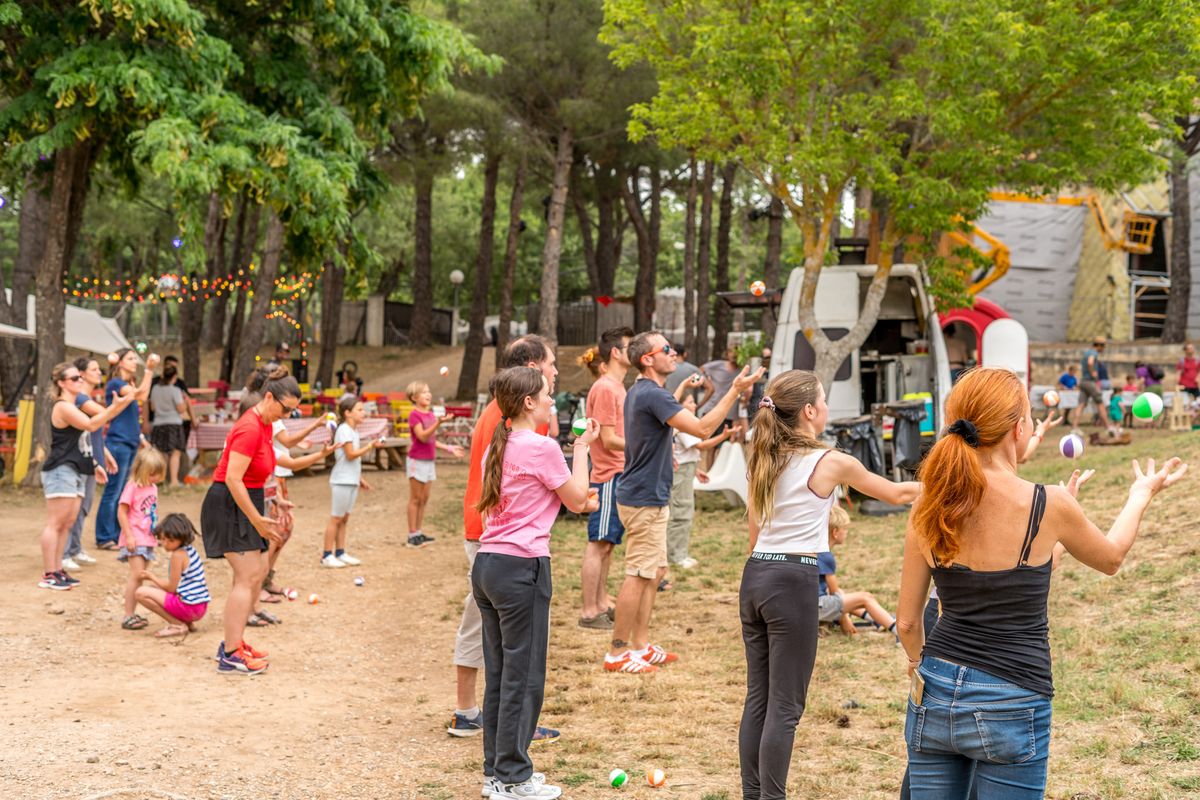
(238, 662)
(463, 726)
(544, 735)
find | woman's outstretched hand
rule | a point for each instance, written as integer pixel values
(1150, 482)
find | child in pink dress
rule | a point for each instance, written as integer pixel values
(137, 511)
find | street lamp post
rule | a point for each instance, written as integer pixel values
(456, 278)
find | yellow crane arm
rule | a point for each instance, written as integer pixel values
(997, 252)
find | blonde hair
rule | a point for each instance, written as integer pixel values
(992, 401)
(511, 387)
(54, 391)
(148, 462)
(777, 436)
(839, 519)
(414, 389)
(591, 360)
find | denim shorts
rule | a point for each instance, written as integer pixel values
(972, 726)
(63, 481)
(604, 524)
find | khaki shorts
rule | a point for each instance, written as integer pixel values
(645, 539)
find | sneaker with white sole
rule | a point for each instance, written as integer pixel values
(462, 726)
(51, 580)
(82, 557)
(688, 563)
(69, 563)
(490, 784)
(332, 562)
(627, 662)
(653, 654)
(535, 788)
(346, 558)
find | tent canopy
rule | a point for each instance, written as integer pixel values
(85, 329)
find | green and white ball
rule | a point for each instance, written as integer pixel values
(579, 426)
(617, 778)
(1148, 405)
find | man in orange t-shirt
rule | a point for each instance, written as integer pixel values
(527, 351)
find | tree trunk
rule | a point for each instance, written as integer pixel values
(608, 200)
(582, 216)
(68, 193)
(333, 281)
(264, 282)
(1180, 261)
(420, 331)
(704, 263)
(503, 335)
(724, 231)
(468, 376)
(218, 308)
(552, 251)
(643, 291)
(771, 268)
(191, 312)
(863, 197)
(17, 354)
(689, 261)
(243, 251)
(655, 233)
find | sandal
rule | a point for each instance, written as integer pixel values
(134, 622)
(665, 585)
(267, 597)
(257, 621)
(170, 631)
(107, 546)
(270, 618)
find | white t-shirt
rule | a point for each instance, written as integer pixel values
(277, 427)
(685, 448)
(345, 472)
(800, 520)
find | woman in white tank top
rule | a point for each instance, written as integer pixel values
(792, 479)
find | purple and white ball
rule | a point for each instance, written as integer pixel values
(1071, 445)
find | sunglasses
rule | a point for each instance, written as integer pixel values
(666, 350)
(72, 378)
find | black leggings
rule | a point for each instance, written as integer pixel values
(778, 602)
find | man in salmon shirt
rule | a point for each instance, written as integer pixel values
(527, 351)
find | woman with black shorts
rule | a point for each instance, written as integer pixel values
(232, 521)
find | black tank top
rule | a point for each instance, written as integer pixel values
(996, 621)
(72, 446)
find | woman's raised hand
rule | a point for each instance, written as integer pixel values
(1151, 481)
(1076, 481)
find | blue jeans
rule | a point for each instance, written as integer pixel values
(74, 544)
(974, 726)
(108, 529)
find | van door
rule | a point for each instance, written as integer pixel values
(941, 369)
(1006, 346)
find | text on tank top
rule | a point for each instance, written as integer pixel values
(800, 518)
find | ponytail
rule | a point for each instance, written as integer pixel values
(493, 469)
(591, 360)
(777, 436)
(983, 407)
(511, 386)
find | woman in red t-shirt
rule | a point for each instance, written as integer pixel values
(232, 521)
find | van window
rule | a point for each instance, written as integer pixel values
(805, 358)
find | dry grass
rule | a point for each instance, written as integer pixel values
(1126, 661)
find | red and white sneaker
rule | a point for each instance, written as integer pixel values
(657, 656)
(627, 662)
(258, 655)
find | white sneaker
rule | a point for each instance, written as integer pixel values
(84, 558)
(332, 561)
(490, 785)
(688, 563)
(69, 563)
(346, 558)
(535, 788)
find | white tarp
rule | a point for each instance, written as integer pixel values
(86, 329)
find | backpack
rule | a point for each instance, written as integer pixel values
(1156, 372)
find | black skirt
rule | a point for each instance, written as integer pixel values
(223, 526)
(168, 438)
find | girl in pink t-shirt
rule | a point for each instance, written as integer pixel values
(422, 453)
(137, 511)
(525, 480)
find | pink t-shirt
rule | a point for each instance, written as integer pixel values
(534, 468)
(143, 513)
(421, 451)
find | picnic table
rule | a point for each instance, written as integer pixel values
(210, 437)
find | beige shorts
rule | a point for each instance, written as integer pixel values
(645, 539)
(468, 644)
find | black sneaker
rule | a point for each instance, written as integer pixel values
(65, 578)
(51, 581)
(419, 540)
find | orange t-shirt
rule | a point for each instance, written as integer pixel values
(481, 439)
(606, 405)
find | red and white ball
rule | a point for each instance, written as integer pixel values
(1050, 399)
(444, 371)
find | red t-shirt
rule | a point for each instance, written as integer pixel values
(1188, 367)
(251, 437)
(481, 439)
(606, 405)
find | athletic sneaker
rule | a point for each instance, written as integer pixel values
(627, 662)
(419, 540)
(462, 725)
(82, 557)
(600, 622)
(239, 663)
(64, 576)
(490, 784)
(51, 581)
(69, 563)
(346, 558)
(332, 561)
(656, 655)
(545, 735)
(688, 563)
(258, 655)
(535, 788)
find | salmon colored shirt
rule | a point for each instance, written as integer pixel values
(606, 405)
(481, 439)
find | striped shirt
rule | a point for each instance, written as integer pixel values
(192, 588)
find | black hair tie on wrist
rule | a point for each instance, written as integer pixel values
(967, 430)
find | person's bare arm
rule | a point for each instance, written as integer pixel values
(126, 539)
(710, 443)
(357, 452)
(68, 414)
(575, 494)
(290, 440)
(1039, 434)
(752, 522)
(142, 391)
(914, 594)
(703, 427)
(709, 389)
(831, 584)
(235, 471)
(610, 439)
(423, 433)
(839, 468)
(306, 461)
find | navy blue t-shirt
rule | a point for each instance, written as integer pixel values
(125, 427)
(97, 435)
(646, 480)
(826, 565)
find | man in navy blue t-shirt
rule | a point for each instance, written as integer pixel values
(651, 412)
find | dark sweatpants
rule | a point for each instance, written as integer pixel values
(779, 627)
(513, 595)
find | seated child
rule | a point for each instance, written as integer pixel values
(834, 605)
(183, 597)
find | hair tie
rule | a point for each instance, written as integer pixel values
(766, 402)
(967, 430)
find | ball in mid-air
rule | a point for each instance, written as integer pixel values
(617, 778)
(444, 371)
(1071, 445)
(1050, 399)
(579, 426)
(656, 777)
(113, 358)
(1148, 405)
(758, 288)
